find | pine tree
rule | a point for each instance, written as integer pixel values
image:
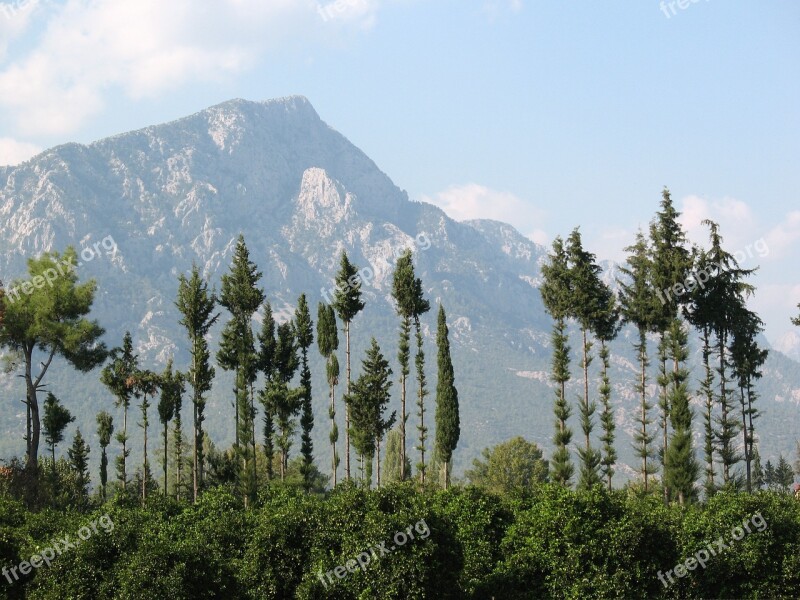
(241, 296)
(403, 292)
(587, 293)
(680, 465)
(36, 322)
(105, 429)
(747, 359)
(368, 401)
(448, 422)
(671, 262)
(328, 342)
(79, 463)
(196, 305)
(119, 376)
(638, 308)
(266, 363)
(172, 389)
(347, 302)
(304, 331)
(56, 419)
(556, 296)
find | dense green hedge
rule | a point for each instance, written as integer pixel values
(467, 543)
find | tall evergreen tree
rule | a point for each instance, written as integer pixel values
(328, 342)
(637, 300)
(284, 402)
(266, 362)
(606, 326)
(671, 262)
(304, 332)
(726, 292)
(196, 305)
(172, 389)
(557, 299)
(119, 376)
(79, 463)
(421, 306)
(56, 419)
(105, 429)
(147, 383)
(700, 313)
(448, 422)
(51, 320)
(587, 291)
(758, 472)
(680, 465)
(368, 401)
(347, 302)
(747, 359)
(241, 296)
(403, 294)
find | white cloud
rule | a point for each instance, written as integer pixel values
(734, 217)
(13, 152)
(494, 7)
(89, 48)
(784, 236)
(474, 201)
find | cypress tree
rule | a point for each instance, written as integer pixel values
(79, 463)
(725, 291)
(606, 326)
(637, 299)
(747, 359)
(196, 305)
(347, 302)
(284, 402)
(328, 342)
(105, 429)
(448, 423)
(242, 297)
(680, 465)
(421, 306)
(55, 421)
(587, 294)
(368, 401)
(119, 376)
(671, 262)
(403, 294)
(266, 362)
(556, 296)
(172, 388)
(147, 384)
(700, 313)
(304, 331)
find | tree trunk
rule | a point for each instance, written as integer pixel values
(402, 427)
(586, 387)
(346, 404)
(333, 424)
(166, 456)
(378, 462)
(642, 361)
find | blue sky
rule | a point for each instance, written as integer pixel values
(544, 114)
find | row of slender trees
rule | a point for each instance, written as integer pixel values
(666, 288)
(278, 355)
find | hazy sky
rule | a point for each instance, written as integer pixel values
(545, 114)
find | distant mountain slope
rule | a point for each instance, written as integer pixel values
(181, 192)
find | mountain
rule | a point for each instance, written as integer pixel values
(141, 207)
(789, 344)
